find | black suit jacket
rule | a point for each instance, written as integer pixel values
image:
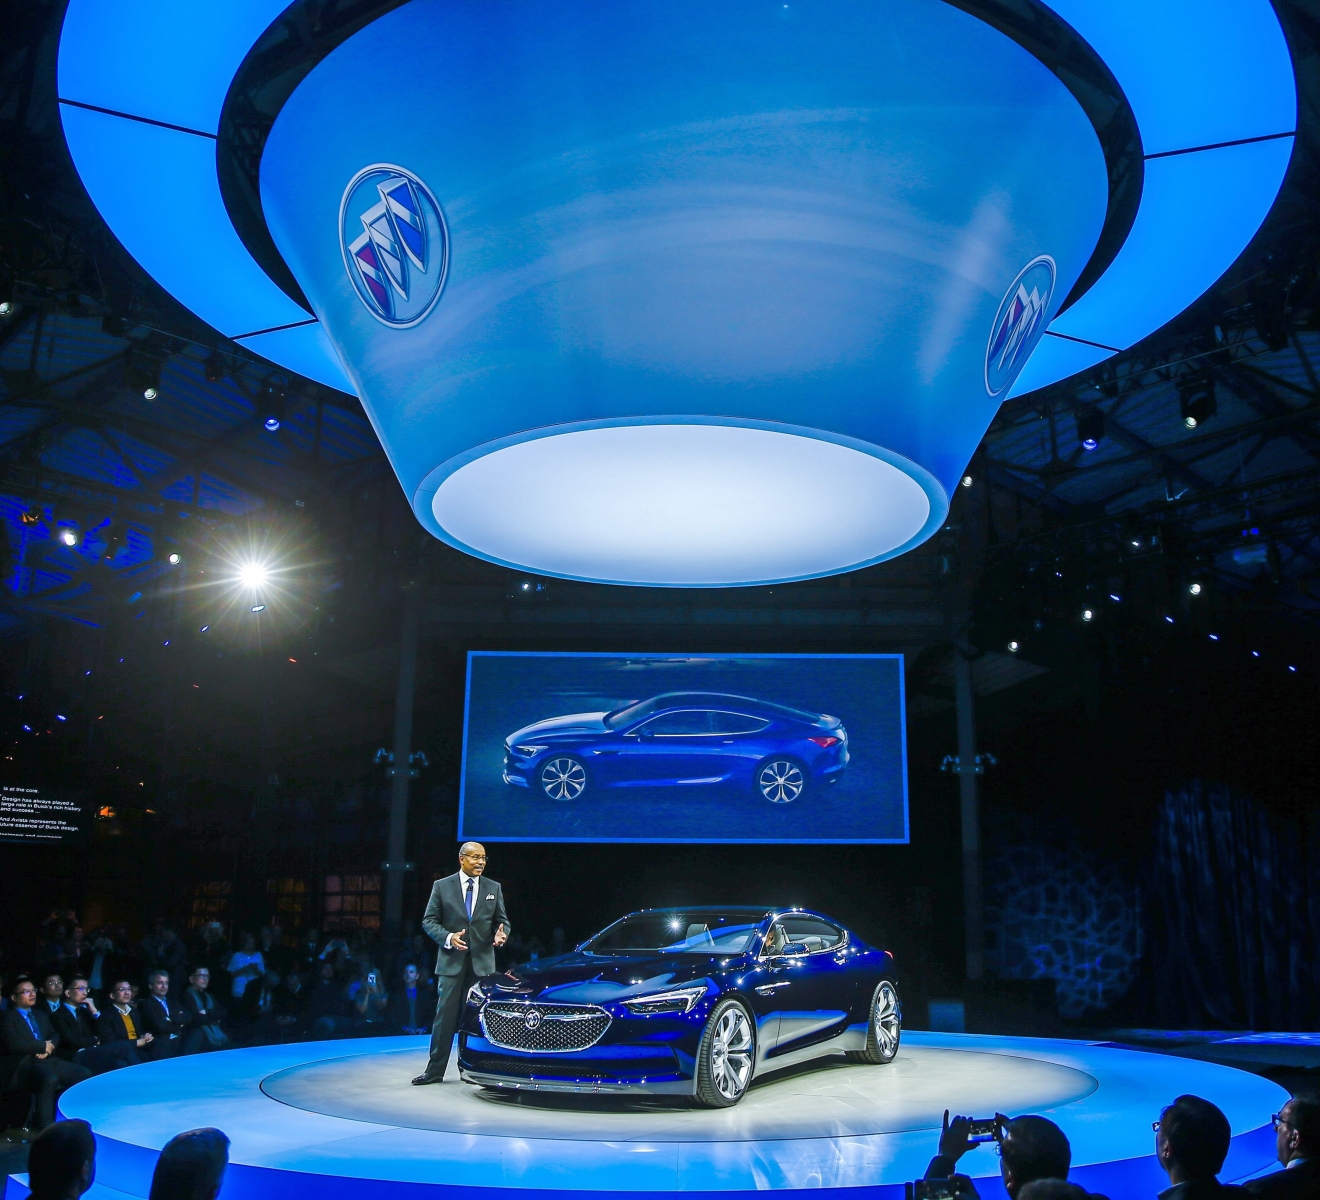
(424, 1007)
(447, 913)
(199, 1013)
(151, 1017)
(1301, 1182)
(77, 1031)
(111, 1026)
(17, 1045)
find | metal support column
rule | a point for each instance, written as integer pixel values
(971, 809)
(402, 770)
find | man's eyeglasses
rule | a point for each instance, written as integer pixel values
(474, 857)
(1279, 1119)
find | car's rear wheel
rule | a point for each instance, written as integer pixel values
(725, 1056)
(884, 1028)
(562, 778)
(781, 780)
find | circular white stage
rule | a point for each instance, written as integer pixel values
(344, 1117)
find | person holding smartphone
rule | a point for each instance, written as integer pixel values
(370, 1004)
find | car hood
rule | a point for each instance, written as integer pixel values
(573, 723)
(598, 979)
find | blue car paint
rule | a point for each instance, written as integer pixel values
(627, 755)
(812, 1005)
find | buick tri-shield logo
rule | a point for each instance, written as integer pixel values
(1019, 324)
(395, 244)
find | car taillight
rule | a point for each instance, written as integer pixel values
(823, 742)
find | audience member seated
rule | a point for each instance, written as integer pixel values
(164, 951)
(120, 1022)
(274, 953)
(27, 1052)
(191, 1166)
(163, 1018)
(289, 1005)
(1191, 1143)
(206, 1015)
(1297, 1132)
(76, 1021)
(100, 962)
(370, 1003)
(326, 1005)
(62, 1161)
(1030, 1148)
(52, 994)
(246, 967)
(213, 952)
(411, 1005)
(306, 958)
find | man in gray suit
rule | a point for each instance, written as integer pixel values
(466, 918)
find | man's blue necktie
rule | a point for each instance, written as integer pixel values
(469, 899)
(32, 1025)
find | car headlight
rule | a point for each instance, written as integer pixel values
(680, 1000)
(476, 995)
(529, 751)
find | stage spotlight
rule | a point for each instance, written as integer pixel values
(1195, 589)
(1169, 619)
(1013, 647)
(61, 717)
(967, 481)
(253, 574)
(274, 400)
(258, 608)
(214, 370)
(1196, 400)
(1255, 654)
(68, 537)
(1090, 427)
(149, 393)
(1292, 668)
(1087, 614)
(272, 424)
(1214, 637)
(204, 629)
(5, 308)
(174, 560)
(1116, 599)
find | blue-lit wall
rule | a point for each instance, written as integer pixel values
(805, 214)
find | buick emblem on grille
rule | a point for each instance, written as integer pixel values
(532, 1019)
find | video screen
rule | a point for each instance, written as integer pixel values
(27, 815)
(684, 748)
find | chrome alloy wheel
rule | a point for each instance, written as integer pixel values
(731, 1053)
(781, 781)
(886, 1020)
(563, 778)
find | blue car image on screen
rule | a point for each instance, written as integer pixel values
(693, 1002)
(676, 740)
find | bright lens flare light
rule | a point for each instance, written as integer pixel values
(253, 574)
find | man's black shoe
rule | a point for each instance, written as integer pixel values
(421, 1079)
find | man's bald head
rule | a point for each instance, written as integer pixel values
(472, 858)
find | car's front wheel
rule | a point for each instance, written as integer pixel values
(884, 1028)
(781, 780)
(725, 1056)
(562, 777)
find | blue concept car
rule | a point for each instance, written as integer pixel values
(680, 739)
(692, 1002)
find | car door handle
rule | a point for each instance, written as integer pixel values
(767, 989)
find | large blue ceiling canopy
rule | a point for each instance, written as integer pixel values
(701, 296)
(685, 295)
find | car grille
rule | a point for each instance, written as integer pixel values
(547, 1028)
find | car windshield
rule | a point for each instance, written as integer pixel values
(635, 711)
(702, 931)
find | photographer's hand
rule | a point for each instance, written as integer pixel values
(954, 1141)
